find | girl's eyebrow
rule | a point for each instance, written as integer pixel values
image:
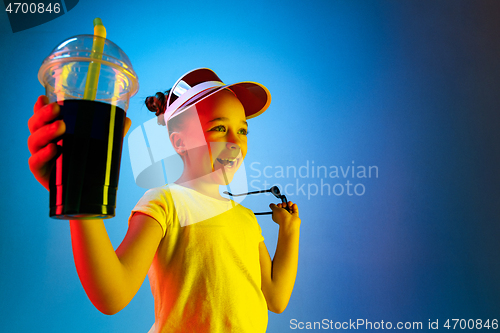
(225, 118)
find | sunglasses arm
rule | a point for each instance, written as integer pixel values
(239, 195)
(278, 195)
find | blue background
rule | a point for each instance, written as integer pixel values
(411, 87)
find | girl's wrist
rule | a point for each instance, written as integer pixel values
(290, 227)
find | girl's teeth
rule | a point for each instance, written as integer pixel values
(226, 162)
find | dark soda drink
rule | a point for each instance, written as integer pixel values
(84, 180)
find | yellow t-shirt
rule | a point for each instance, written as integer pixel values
(205, 276)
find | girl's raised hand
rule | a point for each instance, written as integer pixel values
(45, 131)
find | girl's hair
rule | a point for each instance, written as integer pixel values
(158, 102)
(158, 105)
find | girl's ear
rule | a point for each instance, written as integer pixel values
(178, 143)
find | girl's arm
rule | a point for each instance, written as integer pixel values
(112, 278)
(278, 275)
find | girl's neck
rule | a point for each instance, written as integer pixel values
(203, 185)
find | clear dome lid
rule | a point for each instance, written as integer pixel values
(64, 72)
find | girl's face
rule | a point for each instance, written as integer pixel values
(216, 138)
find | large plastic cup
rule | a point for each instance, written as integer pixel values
(84, 181)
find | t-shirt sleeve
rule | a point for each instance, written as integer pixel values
(259, 229)
(155, 203)
(261, 237)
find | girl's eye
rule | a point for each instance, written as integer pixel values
(243, 131)
(222, 128)
(219, 128)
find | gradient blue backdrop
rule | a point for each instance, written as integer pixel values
(411, 87)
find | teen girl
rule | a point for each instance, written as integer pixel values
(208, 266)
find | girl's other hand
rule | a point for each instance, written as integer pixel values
(284, 218)
(45, 132)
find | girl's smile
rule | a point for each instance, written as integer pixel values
(229, 163)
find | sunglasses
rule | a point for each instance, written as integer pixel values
(274, 190)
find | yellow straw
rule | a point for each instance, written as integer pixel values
(95, 66)
(111, 134)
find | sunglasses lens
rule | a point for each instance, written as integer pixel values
(276, 191)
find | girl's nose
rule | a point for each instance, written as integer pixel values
(232, 145)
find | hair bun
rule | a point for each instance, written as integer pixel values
(157, 103)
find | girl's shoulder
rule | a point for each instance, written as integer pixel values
(162, 191)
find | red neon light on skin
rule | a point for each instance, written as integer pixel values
(211, 159)
(58, 167)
